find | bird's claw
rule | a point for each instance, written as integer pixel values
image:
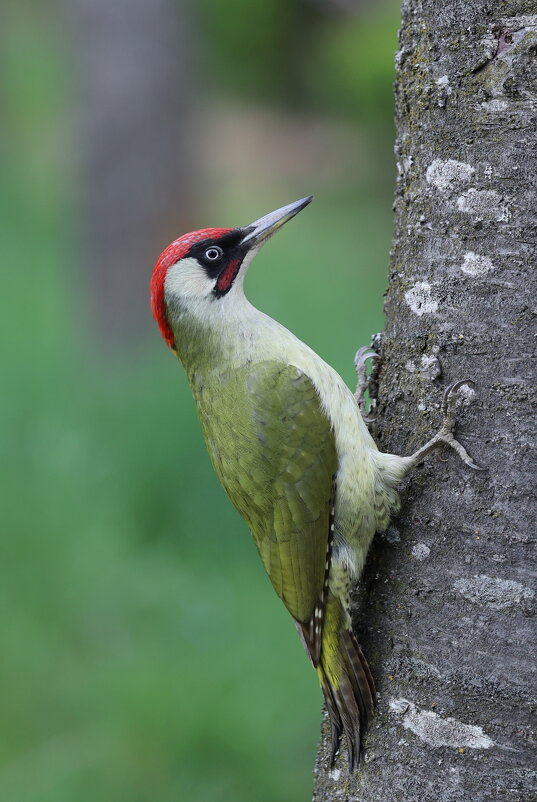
(362, 355)
(360, 363)
(449, 440)
(449, 399)
(445, 436)
(449, 402)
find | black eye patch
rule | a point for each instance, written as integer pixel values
(229, 244)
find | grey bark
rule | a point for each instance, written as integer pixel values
(446, 604)
(134, 95)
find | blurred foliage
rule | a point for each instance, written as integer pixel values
(304, 54)
(354, 73)
(144, 653)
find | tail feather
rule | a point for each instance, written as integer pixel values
(336, 726)
(346, 680)
(363, 680)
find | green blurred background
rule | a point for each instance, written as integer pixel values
(144, 655)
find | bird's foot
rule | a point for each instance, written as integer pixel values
(445, 436)
(364, 381)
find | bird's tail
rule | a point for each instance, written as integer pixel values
(345, 678)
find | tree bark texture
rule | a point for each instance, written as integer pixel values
(445, 611)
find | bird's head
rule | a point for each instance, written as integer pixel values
(207, 267)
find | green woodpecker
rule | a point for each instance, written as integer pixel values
(290, 447)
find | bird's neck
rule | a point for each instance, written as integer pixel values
(226, 339)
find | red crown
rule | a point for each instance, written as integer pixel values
(175, 251)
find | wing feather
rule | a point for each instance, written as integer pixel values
(273, 449)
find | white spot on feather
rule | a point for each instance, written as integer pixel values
(420, 299)
(476, 265)
(346, 558)
(446, 174)
(438, 731)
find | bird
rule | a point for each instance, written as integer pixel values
(291, 448)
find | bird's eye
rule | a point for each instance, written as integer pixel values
(213, 253)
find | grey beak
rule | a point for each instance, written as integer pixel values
(260, 230)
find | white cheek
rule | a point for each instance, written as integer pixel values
(246, 262)
(188, 279)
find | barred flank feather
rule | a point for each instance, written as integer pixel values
(346, 680)
(311, 631)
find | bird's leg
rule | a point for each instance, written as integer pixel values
(445, 435)
(360, 361)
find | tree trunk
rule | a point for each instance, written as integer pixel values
(134, 94)
(445, 610)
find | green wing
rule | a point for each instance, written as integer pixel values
(273, 449)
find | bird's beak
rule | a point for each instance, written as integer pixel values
(260, 230)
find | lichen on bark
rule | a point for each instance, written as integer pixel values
(445, 609)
